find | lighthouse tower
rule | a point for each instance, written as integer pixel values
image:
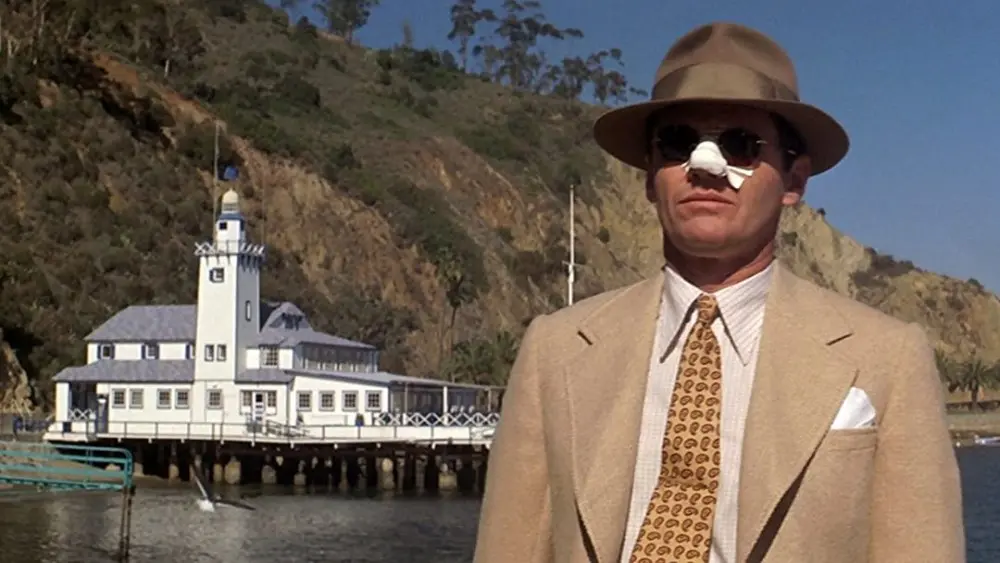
(228, 298)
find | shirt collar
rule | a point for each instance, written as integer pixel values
(741, 309)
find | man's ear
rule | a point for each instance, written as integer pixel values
(795, 181)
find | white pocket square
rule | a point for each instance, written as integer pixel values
(855, 412)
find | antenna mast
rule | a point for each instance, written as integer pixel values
(571, 265)
(215, 176)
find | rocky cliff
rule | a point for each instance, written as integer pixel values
(403, 202)
(961, 316)
(15, 389)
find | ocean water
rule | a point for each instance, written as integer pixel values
(301, 527)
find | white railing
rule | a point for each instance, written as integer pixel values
(228, 247)
(434, 419)
(82, 414)
(467, 428)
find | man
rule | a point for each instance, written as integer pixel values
(724, 410)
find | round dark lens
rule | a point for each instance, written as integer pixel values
(740, 147)
(676, 142)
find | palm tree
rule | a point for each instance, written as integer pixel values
(973, 376)
(945, 366)
(485, 361)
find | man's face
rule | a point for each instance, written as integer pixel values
(702, 215)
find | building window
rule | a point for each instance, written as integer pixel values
(326, 401)
(246, 399)
(163, 398)
(189, 351)
(269, 356)
(350, 400)
(118, 398)
(106, 352)
(292, 322)
(150, 351)
(247, 311)
(272, 399)
(373, 400)
(135, 399)
(220, 353)
(216, 275)
(305, 400)
(209, 353)
(182, 399)
(214, 399)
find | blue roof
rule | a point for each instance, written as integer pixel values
(130, 371)
(177, 323)
(158, 323)
(386, 378)
(264, 375)
(286, 325)
(182, 371)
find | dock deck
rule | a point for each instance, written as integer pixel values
(430, 429)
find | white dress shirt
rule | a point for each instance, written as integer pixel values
(741, 316)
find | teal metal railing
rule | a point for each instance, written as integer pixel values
(70, 467)
(27, 467)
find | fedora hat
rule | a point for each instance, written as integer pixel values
(731, 63)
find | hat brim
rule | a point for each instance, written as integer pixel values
(621, 132)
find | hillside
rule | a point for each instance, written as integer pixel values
(403, 202)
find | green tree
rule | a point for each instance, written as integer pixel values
(520, 28)
(569, 79)
(464, 20)
(177, 42)
(972, 377)
(341, 17)
(344, 17)
(484, 360)
(459, 291)
(516, 58)
(607, 84)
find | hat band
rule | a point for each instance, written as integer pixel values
(723, 81)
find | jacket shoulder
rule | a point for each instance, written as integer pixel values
(579, 311)
(857, 314)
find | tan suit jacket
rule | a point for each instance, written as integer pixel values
(561, 465)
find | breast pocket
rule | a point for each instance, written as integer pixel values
(833, 501)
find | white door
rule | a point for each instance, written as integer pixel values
(259, 405)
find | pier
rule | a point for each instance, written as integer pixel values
(402, 452)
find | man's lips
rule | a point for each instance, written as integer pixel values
(705, 197)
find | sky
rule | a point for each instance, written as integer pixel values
(916, 84)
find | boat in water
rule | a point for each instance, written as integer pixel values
(987, 441)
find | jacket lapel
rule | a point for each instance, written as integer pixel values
(799, 385)
(606, 386)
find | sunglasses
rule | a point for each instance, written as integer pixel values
(740, 146)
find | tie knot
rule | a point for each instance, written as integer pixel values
(708, 308)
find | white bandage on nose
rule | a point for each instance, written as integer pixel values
(707, 156)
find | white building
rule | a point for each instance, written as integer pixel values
(233, 367)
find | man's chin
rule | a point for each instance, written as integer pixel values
(708, 253)
(704, 245)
